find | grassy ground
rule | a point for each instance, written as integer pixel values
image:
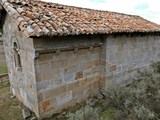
(3, 69)
(10, 109)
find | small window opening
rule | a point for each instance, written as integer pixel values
(17, 56)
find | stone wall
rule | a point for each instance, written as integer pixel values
(2, 55)
(68, 77)
(22, 79)
(123, 55)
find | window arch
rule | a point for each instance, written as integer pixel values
(16, 55)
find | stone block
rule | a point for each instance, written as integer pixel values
(117, 75)
(64, 98)
(103, 62)
(112, 68)
(55, 92)
(87, 90)
(45, 106)
(59, 63)
(45, 57)
(102, 82)
(95, 70)
(45, 85)
(71, 68)
(67, 78)
(40, 96)
(38, 77)
(92, 63)
(73, 85)
(119, 68)
(77, 92)
(47, 75)
(82, 52)
(26, 113)
(91, 79)
(79, 75)
(95, 86)
(109, 77)
(31, 98)
(57, 82)
(84, 82)
(45, 66)
(87, 73)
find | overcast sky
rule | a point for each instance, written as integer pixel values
(149, 9)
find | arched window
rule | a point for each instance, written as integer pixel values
(16, 55)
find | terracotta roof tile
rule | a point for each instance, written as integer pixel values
(39, 18)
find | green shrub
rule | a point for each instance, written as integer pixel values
(156, 67)
(85, 113)
(141, 99)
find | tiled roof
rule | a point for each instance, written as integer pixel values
(39, 18)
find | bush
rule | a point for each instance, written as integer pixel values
(141, 99)
(85, 113)
(137, 101)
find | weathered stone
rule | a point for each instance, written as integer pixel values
(55, 92)
(26, 113)
(57, 82)
(33, 118)
(45, 57)
(112, 68)
(71, 68)
(31, 98)
(99, 96)
(68, 77)
(73, 85)
(45, 85)
(84, 82)
(79, 75)
(46, 106)
(117, 75)
(77, 92)
(40, 96)
(59, 63)
(64, 98)
(13, 96)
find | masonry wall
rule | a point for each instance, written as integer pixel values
(22, 79)
(2, 55)
(65, 78)
(123, 55)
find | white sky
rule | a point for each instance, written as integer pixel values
(149, 9)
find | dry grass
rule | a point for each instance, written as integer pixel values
(10, 109)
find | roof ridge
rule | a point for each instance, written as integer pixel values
(89, 8)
